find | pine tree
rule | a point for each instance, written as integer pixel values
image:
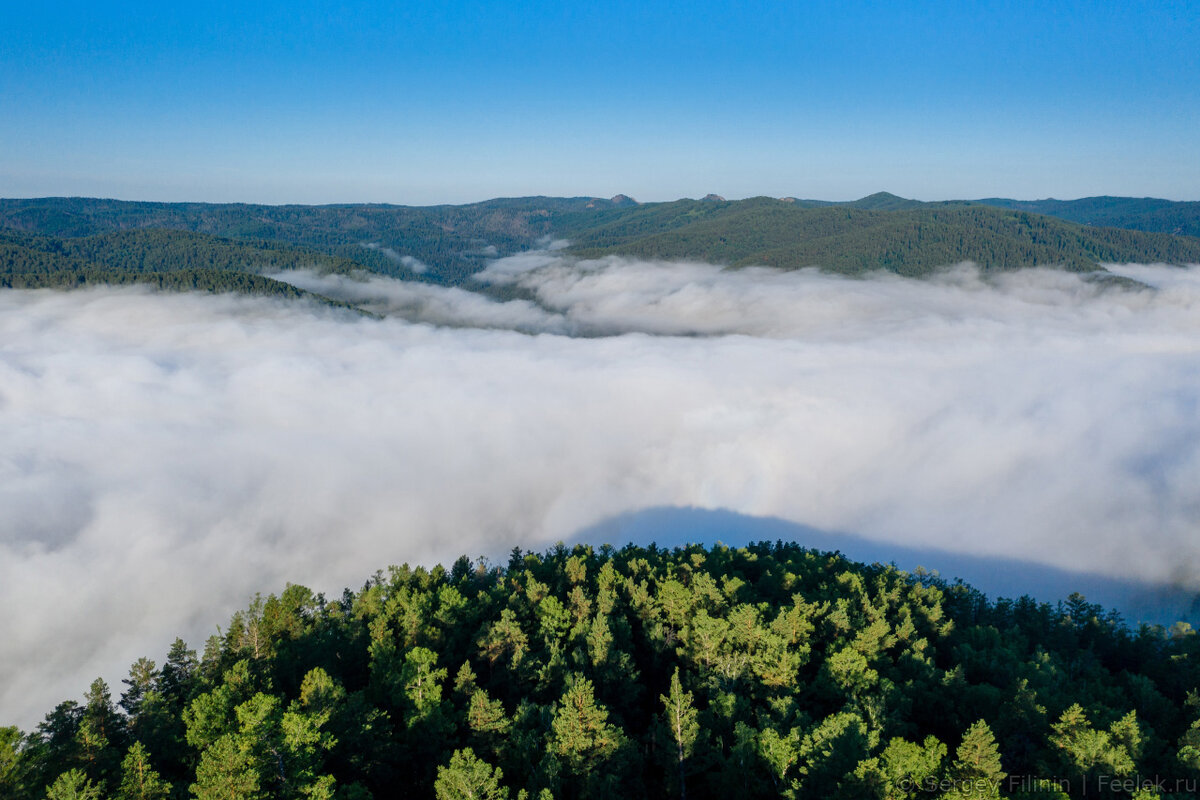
(227, 772)
(469, 778)
(56, 742)
(1127, 740)
(139, 781)
(486, 720)
(977, 769)
(465, 681)
(178, 673)
(101, 733)
(904, 769)
(504, 637)
(143, 678)
(584, 743)
(1087, 751)
(421, 682)
(73, 785)
(829, 754)
(11, 741)
(1189, 743)
(679, 716)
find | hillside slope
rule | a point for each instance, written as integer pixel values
(908, 239)
(176, 260)
(766, 671)
(1135, 213)
(448, 244)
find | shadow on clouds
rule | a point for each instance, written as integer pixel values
(995, 576)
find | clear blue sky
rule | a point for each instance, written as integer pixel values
(423, 102)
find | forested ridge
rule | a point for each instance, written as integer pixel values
(908, 240)
(453, 242)
(449, 244)
(765, 671)
(166, 259)
(1134, 213)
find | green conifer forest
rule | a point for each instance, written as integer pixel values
(766, 671)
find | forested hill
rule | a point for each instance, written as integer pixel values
(448, 244)
(167, 259)
(766, 671)
(899, 237)
(1134, 213)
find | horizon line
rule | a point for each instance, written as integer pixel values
(710, 196)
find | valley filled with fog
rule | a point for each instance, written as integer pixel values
(161, 450)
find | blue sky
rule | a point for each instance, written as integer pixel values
(425, 102)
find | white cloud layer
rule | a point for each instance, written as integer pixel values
(162, 457)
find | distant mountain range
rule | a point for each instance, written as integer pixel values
(73, 241)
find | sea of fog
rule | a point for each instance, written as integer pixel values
(165, 456)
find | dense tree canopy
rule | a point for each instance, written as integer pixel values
(909, 239)
(1134, 213)
(170, 260)
(770, 670)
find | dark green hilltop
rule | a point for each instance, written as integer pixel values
(62, 242)
(766, 671)
(1136, 213)
(174, 260)
(878, 232)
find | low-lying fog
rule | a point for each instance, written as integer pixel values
(163, 457)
